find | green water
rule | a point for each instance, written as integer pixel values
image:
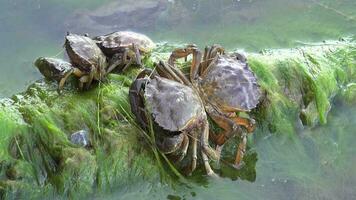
(33, 28)
(316, 163)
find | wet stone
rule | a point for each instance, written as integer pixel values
(80, 138)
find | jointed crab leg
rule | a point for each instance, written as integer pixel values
(137, 54)
(231, 127)
(184, 148)
(91, 77)
(194, 152)
(74, 71)
(247, 123)
(209, 54)
(167, 72)
(183, 53)
(241, 149)
(208, 152)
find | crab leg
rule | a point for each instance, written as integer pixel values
(74, 71)
(113, 66)
(231, 128)
(127, 65)
(209, 54)
(82, 80)
(137, 54)
(194, 153)
(241, 150)
(204, 63)
(207, 151)
(184, 147)
(183, 53)
(247, 123)
(168, 73)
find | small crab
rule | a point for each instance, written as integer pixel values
(87, 62)
(125, 46)
(53, 68)
(177, 109)
(226, 86)
(87, 58)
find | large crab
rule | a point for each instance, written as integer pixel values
(125, 46)
(226, 85)
(177, 110)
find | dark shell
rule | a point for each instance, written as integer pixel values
(83, 52)
(53, 68)
(114, 42)
(230, 82)
(172, 104)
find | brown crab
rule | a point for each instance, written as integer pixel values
(87, 58)
(177, 110)
(126, 46)
(226, 86)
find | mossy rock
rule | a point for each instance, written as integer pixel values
(38, 160)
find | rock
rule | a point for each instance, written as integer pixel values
(118, 15)
(80, 138)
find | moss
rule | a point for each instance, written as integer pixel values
(297, 84)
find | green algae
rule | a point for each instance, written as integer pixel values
(38, 160)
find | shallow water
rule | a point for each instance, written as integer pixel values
(316, 164)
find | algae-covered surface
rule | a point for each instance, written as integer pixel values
(303, 147)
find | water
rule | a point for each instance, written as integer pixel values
(317, 164)
(33, 28)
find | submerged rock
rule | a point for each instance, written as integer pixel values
(118, 15)
(80, 138)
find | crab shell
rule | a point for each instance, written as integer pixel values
(172, 104)
(53, 68)
(114, 42)
(83, 52)
(230, 84)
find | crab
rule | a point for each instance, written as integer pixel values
(53, 68)
(87, 62)
(226, 86)
(87, 58)
(177, 112)
(125, 46)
